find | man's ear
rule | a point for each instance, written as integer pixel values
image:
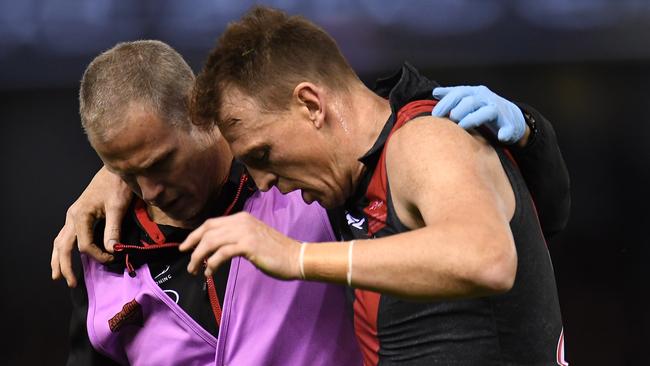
(309, 98)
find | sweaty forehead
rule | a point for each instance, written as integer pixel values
(235, 104)
(237, 111)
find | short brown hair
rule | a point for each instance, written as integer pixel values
(266, 54)
(148, 72)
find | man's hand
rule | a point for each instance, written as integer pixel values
(222, 238)
(106, 196)
(472, 106)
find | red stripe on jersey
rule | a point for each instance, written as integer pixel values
(366, 307)
(377, 210)
(410, 111)
(366, 304)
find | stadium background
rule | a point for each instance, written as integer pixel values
(584, 64)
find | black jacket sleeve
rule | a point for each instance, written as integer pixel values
(81, 351)
(545, 172)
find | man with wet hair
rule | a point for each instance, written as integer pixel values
(443, 245)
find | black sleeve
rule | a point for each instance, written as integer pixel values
(81, 351)
(543, 168)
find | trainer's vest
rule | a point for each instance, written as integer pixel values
(264, 321)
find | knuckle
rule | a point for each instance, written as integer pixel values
(249, 219)
(72, 212)
(58, 245)
(113, 230)
(196, 255)
(245, 244)
(207, 241)
(201, 250)
(214, 260)
(467, 100)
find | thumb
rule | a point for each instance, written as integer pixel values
(112, 230)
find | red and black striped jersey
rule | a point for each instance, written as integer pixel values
(520, 327)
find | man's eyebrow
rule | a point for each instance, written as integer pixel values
(228, 121)
(161, 158)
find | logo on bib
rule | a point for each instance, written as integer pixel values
(131, 313)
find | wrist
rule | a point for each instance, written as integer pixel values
(523, 141)
(531, 130)
(326, 262)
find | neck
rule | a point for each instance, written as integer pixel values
(366, 114)
(160, 217)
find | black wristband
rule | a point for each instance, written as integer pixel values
(531, 123)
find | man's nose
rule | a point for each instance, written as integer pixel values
(150, 189)
(263, 180)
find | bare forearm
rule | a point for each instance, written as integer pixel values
(421, 264)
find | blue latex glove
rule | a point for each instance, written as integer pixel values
(472, 106)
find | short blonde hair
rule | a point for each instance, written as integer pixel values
(147, 72)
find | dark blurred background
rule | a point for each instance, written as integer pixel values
(584, 64)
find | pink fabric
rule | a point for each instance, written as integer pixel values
(265, 321)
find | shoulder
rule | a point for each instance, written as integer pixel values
(432, 162)
(434, 158)
(430, 142)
